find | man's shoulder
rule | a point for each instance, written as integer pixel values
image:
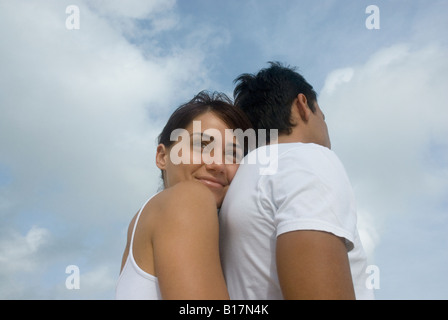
(300, 162)
(302, 150)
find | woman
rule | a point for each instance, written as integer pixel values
(172, 250)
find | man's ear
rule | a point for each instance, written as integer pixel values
(302, 107)
(161, 156)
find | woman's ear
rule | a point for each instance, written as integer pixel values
(161, 157)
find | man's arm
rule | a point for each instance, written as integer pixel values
(313, 265)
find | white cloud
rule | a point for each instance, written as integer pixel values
(76, 105)
(99, 281)
(81, 110)
(21, 259)
(336, 78)
(388, 122)
(17, 252)
(132, 8)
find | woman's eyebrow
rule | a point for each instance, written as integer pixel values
(206, 137)
(234, 145)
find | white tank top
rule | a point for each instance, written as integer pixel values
(134, 283)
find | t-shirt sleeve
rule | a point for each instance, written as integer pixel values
(311, 192)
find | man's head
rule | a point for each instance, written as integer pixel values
(280, 98)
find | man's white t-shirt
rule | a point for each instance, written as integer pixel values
(278, 189)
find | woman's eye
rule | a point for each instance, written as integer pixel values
(199, 144)
(234, 156)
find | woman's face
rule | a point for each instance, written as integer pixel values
(205, 151)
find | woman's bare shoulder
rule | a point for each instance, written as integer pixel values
(187, 200)
(185, 193)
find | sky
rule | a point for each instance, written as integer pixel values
(84, 94)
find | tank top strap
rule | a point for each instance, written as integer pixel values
(135, 226)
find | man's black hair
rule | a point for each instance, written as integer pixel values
(267, 97)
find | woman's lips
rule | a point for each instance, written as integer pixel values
(212, 183)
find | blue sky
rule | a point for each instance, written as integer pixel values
(81, 110)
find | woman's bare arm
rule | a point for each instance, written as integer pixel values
(186, 244)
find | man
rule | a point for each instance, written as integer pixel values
(290, 233)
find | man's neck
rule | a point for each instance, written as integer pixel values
(283, 138)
